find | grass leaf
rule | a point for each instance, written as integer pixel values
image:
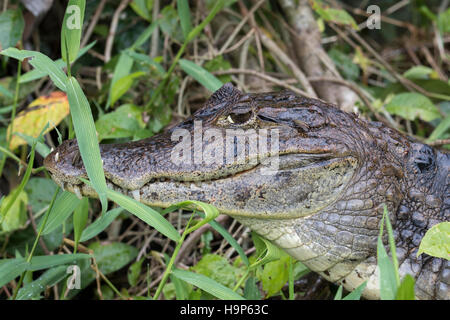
(205, 78)
(207, 284)
(406, 289)
(122, 85)
(11, 269)
(42, 63)
(356, 294)
(37, 74)
(80, 217)
(84, 126)
(210, 211)
(71, 29)
(185, 17)
(270, 252)
(49, 278)
(100, 224)
(148, 215)
(338, 295)
(122, 69)
(44, 262)
(388, 282)
(64, 205)
(440, 130)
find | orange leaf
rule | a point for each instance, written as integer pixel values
(52, 109)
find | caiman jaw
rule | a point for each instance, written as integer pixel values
(302, 184)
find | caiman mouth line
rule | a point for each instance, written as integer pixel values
(300, 161)
(287, 162)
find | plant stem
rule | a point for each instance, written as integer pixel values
(172, 260)
(19, 189)
(13, 115)
(291, 278)
(241, 280)
(30, 256)
(190, 37)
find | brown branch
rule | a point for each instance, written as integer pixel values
(441, 142)
(263, 76)
(113, 27)
(93, 23)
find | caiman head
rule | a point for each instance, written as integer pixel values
(298, 171)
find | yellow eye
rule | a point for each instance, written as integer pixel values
(239, 118)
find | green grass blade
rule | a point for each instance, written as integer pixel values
(207, 284)
(122, 85)
(139, 57)
(84, 126)
(41, 147)
(64, 205)
(391, 243)
(270, 253)
(227, 236)
(205, 78)
(22, 185)
(338, 295)
(11, 269)
(145, 35)
(146, 214)
(406, 289)
(185, 17)
(356, 294)
(439, 131)
(6, 93)
(49, 278)
(71, 30)
(37, 74)
(45, 262)
(122, 69)
(80, 217)
(388, 282)
(210, 211)
(100, 224)
(42, 63)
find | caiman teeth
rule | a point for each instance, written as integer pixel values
(77, 192)
(136, 195)
(61, 185)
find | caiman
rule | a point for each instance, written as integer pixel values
(323, 203)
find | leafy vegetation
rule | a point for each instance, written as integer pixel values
(148, 67)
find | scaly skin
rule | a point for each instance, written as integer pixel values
(324, 203)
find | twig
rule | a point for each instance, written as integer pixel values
(240, 42)
(194, 237)
(298, 74)
(112, 29)
(41, 240)
(433, 63)
(155, 34)
(93, 23)
(440, 142)
(239, 27)
(263, 76)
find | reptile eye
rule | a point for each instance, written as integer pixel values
(239, 118)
